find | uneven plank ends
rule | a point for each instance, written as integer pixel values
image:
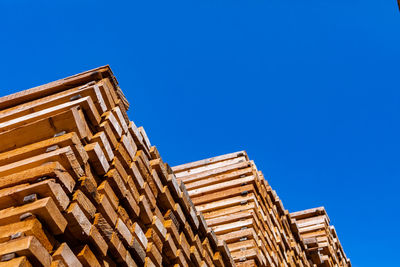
(247, 215)
(321, 239)
(82, 185)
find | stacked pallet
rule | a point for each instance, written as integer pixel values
(81, 185)
(323, 246)
(243, 210)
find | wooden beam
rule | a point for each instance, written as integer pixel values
(68, 121)
(14, 196)
(45, 209)
(31, 227)
(65, 156)
(93, 91)
(86, 103)
(16, 262)
(88, 258)
(27, 246)
(45, 171)
(204, 162)
(65, 254)
(42, 147)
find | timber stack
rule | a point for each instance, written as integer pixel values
(243, 210)
(81, 185)
(323, 245)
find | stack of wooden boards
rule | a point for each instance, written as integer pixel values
(323, 246)
(81, 185)
(244, 211)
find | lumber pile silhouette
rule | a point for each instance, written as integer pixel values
(81, 185)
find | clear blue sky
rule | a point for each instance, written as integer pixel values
(309, 88)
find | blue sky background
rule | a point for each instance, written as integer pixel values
(310, 89)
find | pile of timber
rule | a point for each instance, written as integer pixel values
(81, 185)
(243, 210)
(323, 246)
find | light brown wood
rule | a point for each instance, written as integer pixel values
(237, 206)
(68, 139)
(115, 126)
(45, 209)
(82, 229)
(44, 171)
(65, 254)
(27, 246)
(85, 103)
(192, 165)
(65, 156)
(105, 189)
(69, 121)
(93, 91)
(155, 255)
(145, 211)
(97, 158)
(57, 263)
(84, 203)
(30, 227)
(102, 140)
(69, 149)
(58, 86)
(88, 258)
(14, 196)
(170, 248)
(16, 262)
